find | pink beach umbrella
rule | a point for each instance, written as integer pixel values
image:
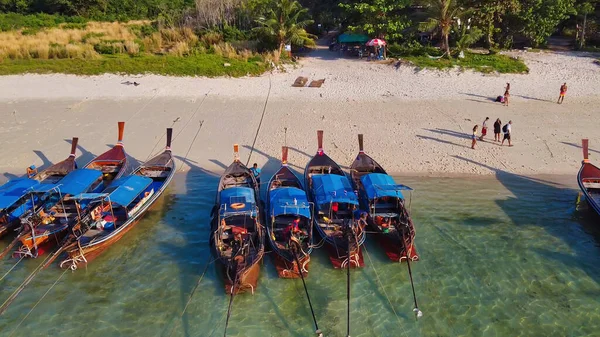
(376, 42)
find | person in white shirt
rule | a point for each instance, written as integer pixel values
(484, 128)
(507, 132)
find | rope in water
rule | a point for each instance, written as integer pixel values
(194, 291)
(231, 301)
(384, 292)
(260, 123)
(38, 302)
(317, 331)
(13, 267)
(24, 284)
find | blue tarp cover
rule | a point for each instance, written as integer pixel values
(282, 202)
(235, 195)
(124, 190)
(90, 196)
(76, 182)
(14, 190)
(379, 185)
(333, 188)
(352, 38)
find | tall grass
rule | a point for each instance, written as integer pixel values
(125, 47)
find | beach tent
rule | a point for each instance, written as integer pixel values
(352, 38)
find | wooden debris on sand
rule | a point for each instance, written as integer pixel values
(317, 84)
(300, 82)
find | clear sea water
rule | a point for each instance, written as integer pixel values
(500, 256)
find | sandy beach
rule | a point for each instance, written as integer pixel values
(414, 122)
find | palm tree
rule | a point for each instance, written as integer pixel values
(286, 23)
(443, 14)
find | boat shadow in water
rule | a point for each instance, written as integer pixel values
(556, 214)
(189, 250)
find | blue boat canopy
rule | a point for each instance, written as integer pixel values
(379, 185)
(238, 200)
(333, 188)
(14, 190)
(90, 196)
(75, 182)
(124, 190)
(289, 201)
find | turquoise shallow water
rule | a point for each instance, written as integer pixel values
(500, 256)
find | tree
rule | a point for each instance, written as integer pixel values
(285, 22)
(489, 14)
(443, 14)
(381, 18)
(584, 9)
(466, 35)
(540, 18)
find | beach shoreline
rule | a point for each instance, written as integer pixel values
(414, 122)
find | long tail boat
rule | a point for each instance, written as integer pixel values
(111, 164)
(237, 234)
(50, 222)
(120, 207)
(588, 179)
(382, 197)
(335, 204)
(289, 219)
(16, 197)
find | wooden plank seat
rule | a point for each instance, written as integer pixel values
(591, 182)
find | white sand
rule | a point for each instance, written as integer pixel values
(415, 122)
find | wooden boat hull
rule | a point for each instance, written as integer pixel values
(8, 227)
(81, 257)
(588, 174)
(392, 243)
(287, 269)
(339, 262)
(248, 278)
(394, 248)
(44, 242)
(82, 254)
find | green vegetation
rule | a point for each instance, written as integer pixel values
(195, 65)
(14, 21)
(482, 63)
(37, 35)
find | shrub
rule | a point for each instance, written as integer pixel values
(231, 34)
(413, 48)
(153, 43)
(180, 49)
(211, 38)
(132, 48)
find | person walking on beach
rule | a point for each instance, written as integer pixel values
(474, 137)
(256, 171)
(506, 94)
(563, 92)
(507, 132)
(497, 128)
(484, 128)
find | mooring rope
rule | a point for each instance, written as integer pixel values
(260, 123)
(384, 292)
(193, 291)
(191, 144)
(13, 267)
(184, 126)
(38, 302)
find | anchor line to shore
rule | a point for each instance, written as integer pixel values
(261, 120)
